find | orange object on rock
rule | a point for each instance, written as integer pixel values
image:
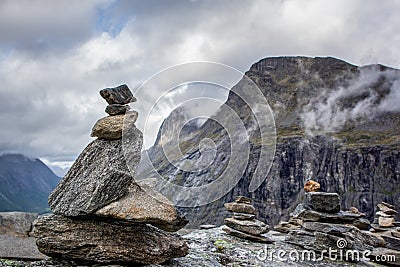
(312, 186)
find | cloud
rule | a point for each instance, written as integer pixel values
(360, 101)
(56, 55)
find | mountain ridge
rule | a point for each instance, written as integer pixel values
(25, 183)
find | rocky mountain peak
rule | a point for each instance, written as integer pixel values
(336, 123)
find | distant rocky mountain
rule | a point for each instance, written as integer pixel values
(25, 183)
(61, 172)
(336, 123)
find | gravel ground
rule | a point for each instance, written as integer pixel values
(19, 247)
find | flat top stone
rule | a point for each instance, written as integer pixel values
(321, 201)
(118, 95)
(111, 127)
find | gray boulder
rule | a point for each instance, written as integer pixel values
(106, 241)
(98, 177)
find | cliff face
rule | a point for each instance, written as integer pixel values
(336, 123)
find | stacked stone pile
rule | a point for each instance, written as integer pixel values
(323, 225)
(243, 223)
(386, 227)
(319, 224)
(100, 213)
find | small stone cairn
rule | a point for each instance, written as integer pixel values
(101, 214)
(386, 227)
(243, 223)
(319, 224)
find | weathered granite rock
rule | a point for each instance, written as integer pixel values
(386, 221)
(252, 227)
(98, 177)
(145, 205)
(391, 242)
(17, 224)
(116, 109)
(324, 202)
(311, 186)
(106, 241)
(328, 228)
(242, 199)
(233, 232)
(243, 216)
(111, 127)
(362, 223)
(118, 95)
(384, 208)
(240, 207)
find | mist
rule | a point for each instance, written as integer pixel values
(371, 93)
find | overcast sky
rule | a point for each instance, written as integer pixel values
(56, 55)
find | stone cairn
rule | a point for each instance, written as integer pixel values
(386, 227)
(100, 213)
(243, 223)
(319, 224)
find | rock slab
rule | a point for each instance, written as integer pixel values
(106, 241)
(118, 95)
(252, 227)
(233, 232)
(240, 208)
(98, 177)
(324, 202)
